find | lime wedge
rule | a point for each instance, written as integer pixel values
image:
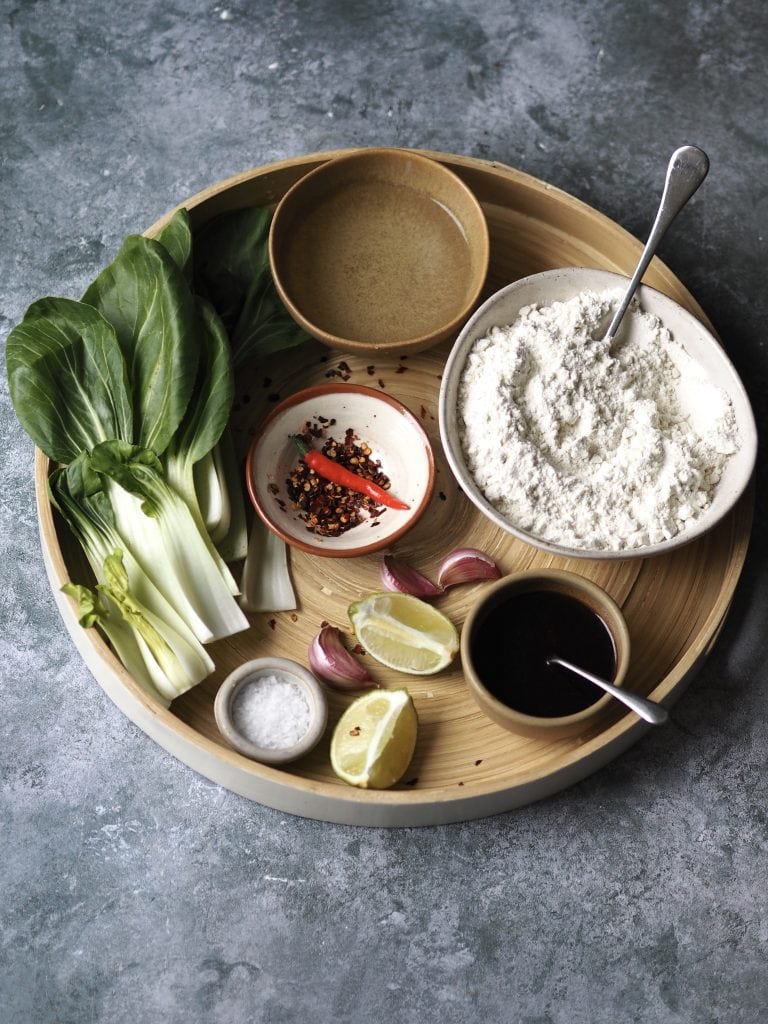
(373, 743)
(404, 633)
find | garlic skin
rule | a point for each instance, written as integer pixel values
(398, 576)
(335, 665)
(466, 565)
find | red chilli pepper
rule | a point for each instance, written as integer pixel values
(330, 470)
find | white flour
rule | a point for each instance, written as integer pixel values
(589, 445)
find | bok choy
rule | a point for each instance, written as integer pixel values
(196, 459)
(160, 529)
(232, 271)
(161, 660)
(78, 493)
(207, 413)
(68, 379)
(102, 387)
(130, 391)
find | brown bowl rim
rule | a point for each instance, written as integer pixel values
(327, 389)
(547, 576)
(420, 341)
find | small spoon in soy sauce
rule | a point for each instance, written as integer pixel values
(648, 710)
(687, 169)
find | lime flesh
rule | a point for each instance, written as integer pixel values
(404, 633)
(374, 740)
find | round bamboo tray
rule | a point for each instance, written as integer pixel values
(465, 766)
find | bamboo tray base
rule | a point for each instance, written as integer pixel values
(464, 766)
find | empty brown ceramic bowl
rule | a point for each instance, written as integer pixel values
(494, 642)
(379, 250)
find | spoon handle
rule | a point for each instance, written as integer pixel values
(687, 169)
(648, 710)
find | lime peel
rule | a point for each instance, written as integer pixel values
(374, 740)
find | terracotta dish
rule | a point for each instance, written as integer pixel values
(395, 437)
(382, 250)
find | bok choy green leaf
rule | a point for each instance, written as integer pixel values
(143, 294)
(67, 378)
(176, 237)
(232, 271)
(231, 253)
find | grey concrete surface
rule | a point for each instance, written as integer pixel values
(132, 889)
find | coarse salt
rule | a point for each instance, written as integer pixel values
(271, 711)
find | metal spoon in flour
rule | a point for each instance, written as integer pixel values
(687, 169)
(648, 710)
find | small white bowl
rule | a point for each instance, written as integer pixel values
(251, 672)
(395, 437)
(551, 286)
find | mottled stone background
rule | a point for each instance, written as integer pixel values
(132, 889)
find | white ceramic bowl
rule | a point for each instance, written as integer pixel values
(560, 285)
(395, 437)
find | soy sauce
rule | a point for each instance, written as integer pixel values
(511, 646)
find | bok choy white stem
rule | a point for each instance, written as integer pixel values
(233, 546)
(266, 582)
(212, 497)
(92, 612)
(174, 665)
(200, 430)
(161, 660)
(78, 495)
(165, 539)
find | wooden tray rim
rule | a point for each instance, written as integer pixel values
(342, 804)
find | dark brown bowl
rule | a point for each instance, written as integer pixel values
(553, 581)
